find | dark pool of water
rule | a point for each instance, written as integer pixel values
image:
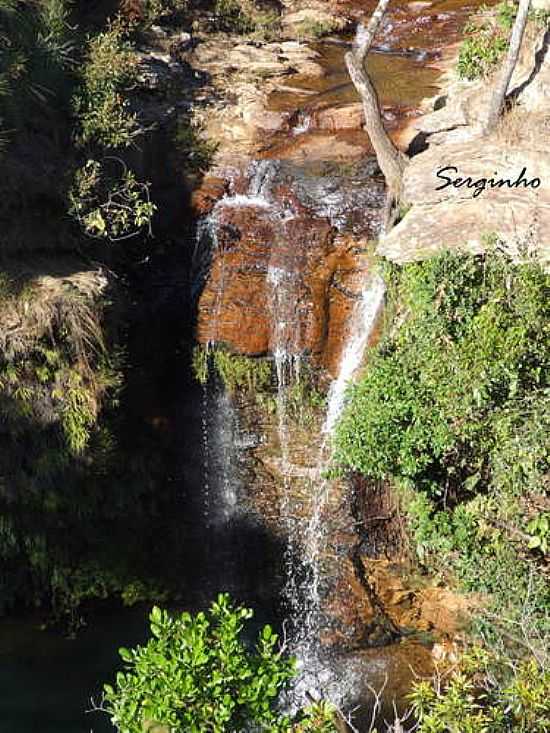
(47, 681)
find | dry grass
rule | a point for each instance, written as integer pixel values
(37, 303)
(520, 129)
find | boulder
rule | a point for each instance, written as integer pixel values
(452, 217)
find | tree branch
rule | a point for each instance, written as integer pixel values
(391, 161)
(499, 93)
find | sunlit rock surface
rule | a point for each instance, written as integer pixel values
(452, 217)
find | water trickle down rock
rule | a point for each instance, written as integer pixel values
(268, 290)
(290, 220)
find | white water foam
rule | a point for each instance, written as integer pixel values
(363, 320)
(318, 673)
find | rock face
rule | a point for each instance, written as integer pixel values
(257, 257)
(432, 609)
(245, 74)
(285, 493)
(279, 273)
(452, 217)
(515, 206)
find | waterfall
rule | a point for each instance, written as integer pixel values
(282, 288)
(316, 672)
(362, 323)
(306, 498)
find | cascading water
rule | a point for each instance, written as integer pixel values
(318, 673)
(287, 365)
(363, 321)
(305, 500)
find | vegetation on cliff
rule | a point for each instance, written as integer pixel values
(486, 39)
(453, 410)
(77, 478)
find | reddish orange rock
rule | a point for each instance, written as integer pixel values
(260, 255)
(204, 198)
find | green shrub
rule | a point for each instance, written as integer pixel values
(101, 104)
(486, 43)
(159, 10)
(454, 408)
(110, 203)
(37, 54)
(482, 694)
(473, 340)
(238, 16)
(196, 673)
(506, 14)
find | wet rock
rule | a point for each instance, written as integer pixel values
(277, 232)
(204, 198)
(236, 306)
(345, 117)
(323, 147)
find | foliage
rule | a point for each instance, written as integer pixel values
(473, 340)
(196, 672)
(112, 206)
(541, 18)
(506, 14)
(238, 16)
(37, 54)
(539, 529)
(304, 399)
(236, 371)
(486, 43)
(146, 13)
(158, 10)
(241, 372)
(192, 146)
(481, 694)
(101, 105)
(454, 408)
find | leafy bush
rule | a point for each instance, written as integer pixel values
(454, 408)
(236, 16)
(157, 10)
(37, 54)
(486, 42)
(146, 13)
(101, 107)
(196, 673)
(110, 205)
(473, 340)
(483, 695)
